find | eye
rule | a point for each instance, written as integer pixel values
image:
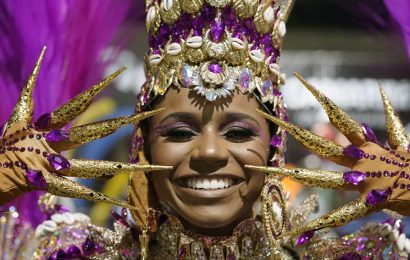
(179, 134)
(238, 134)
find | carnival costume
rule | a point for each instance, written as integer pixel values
(216, 48)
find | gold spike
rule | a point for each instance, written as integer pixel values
(354, 210)
(79, 103)
(90, 132)
(339, 118)
(314, 178)
(315, 143)
(60, 186)
(23, 111)
(287, 10)
(396, 132)
(97, 169)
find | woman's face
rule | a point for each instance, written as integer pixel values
(208, 144)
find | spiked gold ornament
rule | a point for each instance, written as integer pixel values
(396, 132)
(338, 217)
(60, 186)
(66, 113)
(23, 111)
(314, 178)
(97, 169)
(87, 133)
(311, 141)
(340, 119)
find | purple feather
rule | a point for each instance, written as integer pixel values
(76, 33)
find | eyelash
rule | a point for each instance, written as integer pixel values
(233, 134)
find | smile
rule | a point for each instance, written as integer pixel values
(209, 182)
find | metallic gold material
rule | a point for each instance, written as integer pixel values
(23, 111)
(80, 103)
(311, 141)
(338, 217)
(97, 169)
(339, 118)
(217, 50)
(191, 6)
(153, 20)
(286, 9)
(169, 11)
(218, 3)
(60, 186)
(396, 132)
(87, 133)
(302, 211)
(144, 244)
(213, 78)
(245, 8)
(264, 18)
(313, 178)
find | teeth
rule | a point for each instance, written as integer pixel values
(209, 184)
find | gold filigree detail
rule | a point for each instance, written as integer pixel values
(191, 6)
(219, 3)
(153, 20)
(170, 11)
(217, 50)
(264, 18)
(245, 8)
(303, 210)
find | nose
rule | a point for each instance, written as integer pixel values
(210, 150)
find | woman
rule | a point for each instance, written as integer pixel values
(214, 67)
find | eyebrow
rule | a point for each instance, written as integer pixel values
(239, 116)
(183, 116)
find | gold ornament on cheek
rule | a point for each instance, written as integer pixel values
(245, 8)
(191, 6)
(170, 11)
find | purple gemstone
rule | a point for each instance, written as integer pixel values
(89, 247)
(36, 179)
(305, 237)
(73, 252)
(217, 29)
(208, 12)
(43, 121)
(198, 25)
(228, 16)
(58, 162)
(215, 68)
(376, 196)
(276, 141)
(119, 219)
(353, 151)
(354, 177)
(57, 135)
(245, 79)
(267, 87)
(368, 133)
(182, 252)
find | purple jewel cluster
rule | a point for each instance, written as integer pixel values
(88, 248)
(189, 25)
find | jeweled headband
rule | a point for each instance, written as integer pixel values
(216, 47)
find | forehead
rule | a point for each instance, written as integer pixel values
(186, 100)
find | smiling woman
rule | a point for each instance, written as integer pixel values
(201, 185)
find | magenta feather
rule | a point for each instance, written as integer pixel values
(76, 33)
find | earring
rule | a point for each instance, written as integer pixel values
(274, 214)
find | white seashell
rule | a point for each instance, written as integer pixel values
(401, 241)
(394, 235)
(397, 224)
(155, 59)
(80, 217)
(269, 15)
(39, 231)
(68, 218)
(386, 229)
(174, 48)
(57, 218)
(282, 29)
(238, 44)
(194, 42)
(256, 55)
(167, 4)
(151, 14)
(49, 226)
(407, 245)
(274, 68)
